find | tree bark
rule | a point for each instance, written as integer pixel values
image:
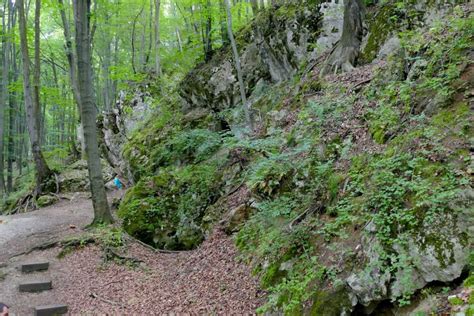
(43, 173)
(106, 68)
(71, 60)
(345, 52)
(206, 32)
(37, 70)
(157, 38)
(254, 4)
(222, 22)
(4, 91)
(88, 112)
(12, 117)
(245, 104)
(134, 24)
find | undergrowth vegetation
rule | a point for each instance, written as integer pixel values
(399, 173)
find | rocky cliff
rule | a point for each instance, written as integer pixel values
(356, 190)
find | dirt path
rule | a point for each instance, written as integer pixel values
(208, 280)
(21, 232)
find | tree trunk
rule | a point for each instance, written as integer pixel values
(20, 144)
(71, 60)
(157, 38)
(37, 71)
(88, 112)
(106, 69)
(134, 25)
(177, 31)
(254, 4)
(344, 54)
(150, 37)
(4, 92)
(222, 17)
(245, 104)
(206, 34)
(12, 120)
(43, 173)
(11, 51)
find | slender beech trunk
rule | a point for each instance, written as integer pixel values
(88, 111)
(20, 144)
(254, 4)
(106, 67)
(43, 173)
(206, 31)
(37, 69)
(12, 119)
(71, 60)
(222, 22)
(150, 35)
(134, 26)
(245, 104)
(157, 38)
(177, 31)
(12, 110)
(143, 34)
(4, 93)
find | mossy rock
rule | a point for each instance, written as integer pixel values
(331, 303)
(167, 210)
(389, 18)
(46, 200)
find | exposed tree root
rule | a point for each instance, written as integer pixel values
(111, 255)
(94, 295)
(70, 245)
(344, 53)
(131, 238)
(27, 202)
(298, 219)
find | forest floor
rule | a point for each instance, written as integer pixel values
(207, 280)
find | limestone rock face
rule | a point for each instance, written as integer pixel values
(116, 126)
(271, 49)
(236, 217)
(370, 284)
(437, 251)
(333, 18)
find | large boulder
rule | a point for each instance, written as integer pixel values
(46, 200)
(76, 177)
(438, 251)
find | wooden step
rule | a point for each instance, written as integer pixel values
(50, 310)
(34, 266)
(36, 286)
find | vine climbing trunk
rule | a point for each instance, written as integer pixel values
(88, 111)
(43, 173)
